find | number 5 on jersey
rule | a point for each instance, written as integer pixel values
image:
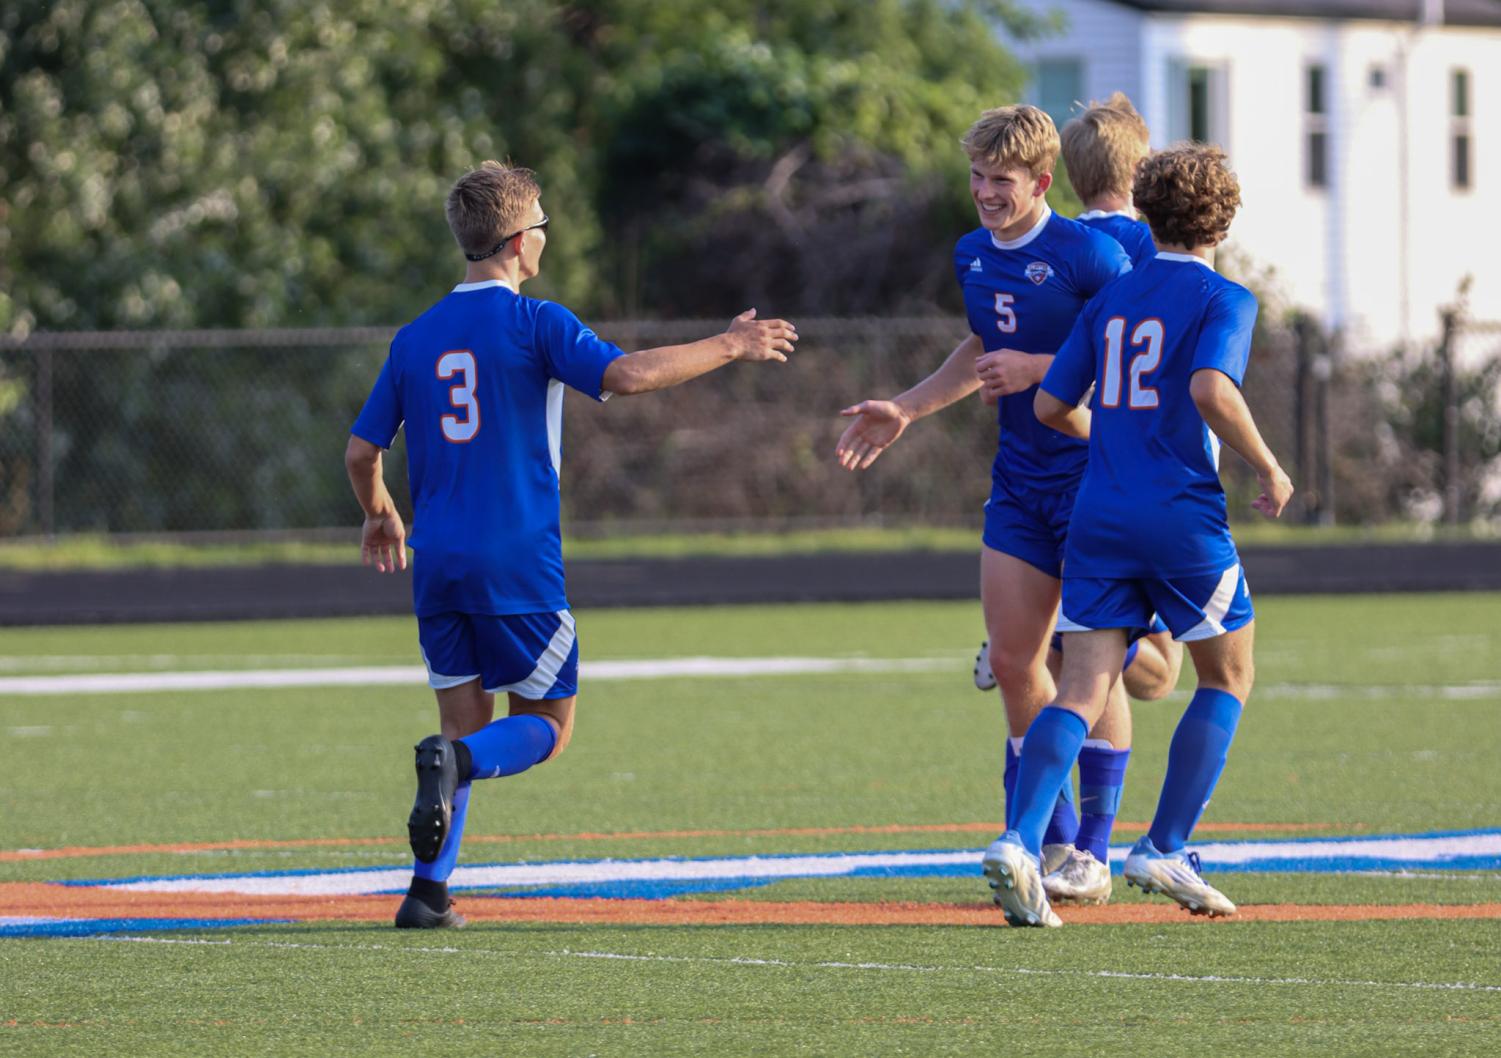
(1006, 315)
(461, 395)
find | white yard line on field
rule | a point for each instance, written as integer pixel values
(877, 967)
(407, 675)
(643, 669)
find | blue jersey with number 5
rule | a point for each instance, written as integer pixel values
(1151, 503)
(478, 380)
(1025, 294)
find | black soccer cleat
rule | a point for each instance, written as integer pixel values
(427, 906)
(432, 812)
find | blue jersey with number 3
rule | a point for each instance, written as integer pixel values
(1151, 503)
(1025, 294)
(478, 380)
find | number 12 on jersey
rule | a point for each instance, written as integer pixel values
(461, 395)
(1147, 337)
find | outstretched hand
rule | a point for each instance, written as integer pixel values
(755, 339)
(1276, 491)
(383, 543)
(878, 423)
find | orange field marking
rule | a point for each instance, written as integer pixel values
(86, 851)
(40, 898)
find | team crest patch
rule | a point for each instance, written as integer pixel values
(1039, 271)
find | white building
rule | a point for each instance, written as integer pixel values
(1366, 135)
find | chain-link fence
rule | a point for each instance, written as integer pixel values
(179, 432)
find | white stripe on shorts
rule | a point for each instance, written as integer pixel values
(436, 680)
(1216, 608)
(548, 665)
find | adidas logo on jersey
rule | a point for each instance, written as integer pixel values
(974, 266)
(1039, 272)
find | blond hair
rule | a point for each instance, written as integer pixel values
(1187, 194)
(487, 203)
(1103, 146)
(1016, 136)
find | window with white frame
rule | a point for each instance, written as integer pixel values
(1197, 101)
(1316, 125)
(1461, 145)
(1057, 84)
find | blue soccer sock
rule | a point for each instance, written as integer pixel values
(1063, 825)
(1048, 753)
(1013, 755)
(1194, 762)
(509, 746)
(448, 855)
(1102, 777)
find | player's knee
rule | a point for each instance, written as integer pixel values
(1236, 676)
(1014, 669)
(1148, 687)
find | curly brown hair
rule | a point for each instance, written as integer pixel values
(487, 202)
(1187, 194)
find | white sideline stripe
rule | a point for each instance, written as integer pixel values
(385, 675)
(357, 883)
(1412, 850)
(645, 669)
(880, 967)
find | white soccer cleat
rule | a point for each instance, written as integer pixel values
(1017, 880)
(1053, 857)
(1079, 879)
(984, 678)
(1175, 875)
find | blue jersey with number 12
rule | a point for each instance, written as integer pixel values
(478, 380)
(1025, 294)
(1151, 504)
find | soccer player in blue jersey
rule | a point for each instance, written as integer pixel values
(477, 381)
(1166, 348)
(1102, 147)
(1025, 274)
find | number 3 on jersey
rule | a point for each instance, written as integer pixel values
(461, 395)
(1148, 338)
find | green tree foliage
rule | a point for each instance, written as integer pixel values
(253, 163)
(273, 162)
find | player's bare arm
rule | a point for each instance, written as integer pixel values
(1224, 409)
(1003, 372)
(1064, 417)
(747, 338)
(878, 423)
(383, 536)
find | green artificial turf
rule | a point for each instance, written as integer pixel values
(1374, 714)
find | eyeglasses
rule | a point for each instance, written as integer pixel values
(501, 245)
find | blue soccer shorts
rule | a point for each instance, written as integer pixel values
(1029, 524)
(1192, 607)
(534, 655)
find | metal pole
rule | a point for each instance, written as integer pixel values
(45, 484)
(1303, 427)
(1323, 373)
(1450, 397)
